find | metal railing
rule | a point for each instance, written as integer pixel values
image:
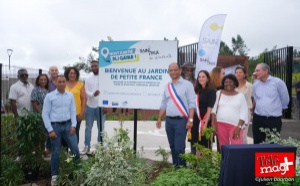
(281, 66)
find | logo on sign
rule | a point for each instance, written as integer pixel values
(105, 102)
(274, 164)
(114, 103)
(124, 103)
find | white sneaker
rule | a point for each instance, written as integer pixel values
(54, 180)
(85, 150)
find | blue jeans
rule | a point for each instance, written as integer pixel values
(176, 132)
(62, 131)
(90, 114)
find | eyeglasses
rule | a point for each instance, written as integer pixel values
(23, 75)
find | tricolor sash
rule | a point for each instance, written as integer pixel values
(178, 102)
(201, 121)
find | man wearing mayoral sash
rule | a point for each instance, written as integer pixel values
(178, 103)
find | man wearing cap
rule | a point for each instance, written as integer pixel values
(178, 104)
(20, 94)
(188, 72)
(59, 116)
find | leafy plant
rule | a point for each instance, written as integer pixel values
(164, 153)
(31, 139)
(204, 169)
(116, 163)
(272, 136)
(8, 135)
(111, 116)
(68, 169)
(11, 172)
(155, 118)
(182, 176)
(208, 133)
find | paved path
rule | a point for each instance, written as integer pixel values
(149, 138)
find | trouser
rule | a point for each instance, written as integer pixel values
(64, 143)
(225, 134)
(176, 133)
(266, 123)
(62, 131)
(90, 114)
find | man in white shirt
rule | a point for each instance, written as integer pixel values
(20, 93)
(92, 109)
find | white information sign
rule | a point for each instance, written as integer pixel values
(133, 74)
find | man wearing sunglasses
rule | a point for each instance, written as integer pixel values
(20, 93)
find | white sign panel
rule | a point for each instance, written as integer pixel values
(133, 73)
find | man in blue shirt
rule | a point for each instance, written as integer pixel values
(271, 96)
(59, 116)
(177, 122)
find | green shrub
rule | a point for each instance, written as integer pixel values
(70, 172)
(31, 139)
(272, 136)
(111, 117)
(11, 172)
(8, 135)
(202, 170)
(116, 163)
(155, 118)
(178, 177)
(164, 153)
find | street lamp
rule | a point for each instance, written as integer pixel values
(9, 52)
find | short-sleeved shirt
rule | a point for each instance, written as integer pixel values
(38, 94)
(21, 93)
(185, 90)
(76, 91)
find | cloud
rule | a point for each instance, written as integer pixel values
(55, 32)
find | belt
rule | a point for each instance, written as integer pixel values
(268, 117)
(61, 122)
(176, 117)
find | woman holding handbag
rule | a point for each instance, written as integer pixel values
(230, 112)
(205, 100)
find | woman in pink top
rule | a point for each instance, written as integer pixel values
(230, 112)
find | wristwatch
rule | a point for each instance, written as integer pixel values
(191, 120)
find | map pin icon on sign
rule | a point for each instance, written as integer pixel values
(105, 52)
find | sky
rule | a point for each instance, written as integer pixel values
(57, 32)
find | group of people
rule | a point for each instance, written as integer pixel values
(227, 103)
(63, 101)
